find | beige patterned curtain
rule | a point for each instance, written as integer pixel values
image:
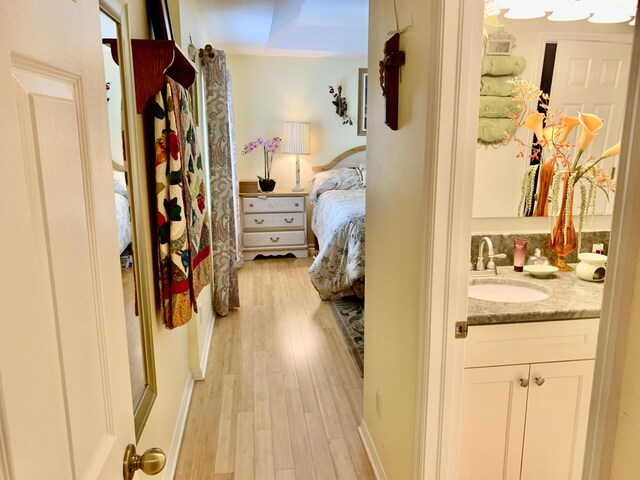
(224, 212)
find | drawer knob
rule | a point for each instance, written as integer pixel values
(288, 220)
(297, 204)
(251, 204)
(524, 382)
(274, 240)
(540, 381)
(259, 222)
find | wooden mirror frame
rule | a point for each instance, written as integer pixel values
(140, 217)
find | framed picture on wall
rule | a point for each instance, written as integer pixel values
(363, 80)
(498, 47)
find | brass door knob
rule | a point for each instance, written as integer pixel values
(150, 462)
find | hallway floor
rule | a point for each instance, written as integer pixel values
(283, 398)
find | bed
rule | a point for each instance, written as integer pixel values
(338, 222)
(123, 215)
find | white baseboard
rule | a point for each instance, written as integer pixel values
(199, 372)
(181, 422)
(372, 453)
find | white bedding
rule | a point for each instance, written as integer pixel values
(338, 223)
(123, 215)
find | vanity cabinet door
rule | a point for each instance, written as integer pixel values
(557, 415)
(493, 420)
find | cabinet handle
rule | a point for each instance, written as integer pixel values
(274, 240)
(288, 220)
(540, 381)
(259, 222)
(524, 382)
(251, 204)
(297, 204)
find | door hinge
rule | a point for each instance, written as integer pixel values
(462, 329)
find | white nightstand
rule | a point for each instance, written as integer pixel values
(274, 224)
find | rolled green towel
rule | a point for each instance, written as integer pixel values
(497, 65)
(498, 107)
(497, 86)
(491, 130)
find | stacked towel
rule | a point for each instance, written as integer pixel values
(493, 65)
(497, 106)
(497, 86)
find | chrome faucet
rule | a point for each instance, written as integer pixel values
(490, 267)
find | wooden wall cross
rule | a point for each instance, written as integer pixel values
(390, 79)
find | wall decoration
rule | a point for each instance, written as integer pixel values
(341, 104)
(499, 43)
(389, 68)
(390, 79)
(194, 88)
(363, 82)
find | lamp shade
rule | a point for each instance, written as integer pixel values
(297, 138)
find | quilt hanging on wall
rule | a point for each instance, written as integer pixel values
(182, 216)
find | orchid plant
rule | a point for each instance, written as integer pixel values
(560, 161)
(269, 148)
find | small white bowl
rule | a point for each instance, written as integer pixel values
(540, 271)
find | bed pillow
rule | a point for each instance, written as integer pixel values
(337, 179)
(362, 170)
(119, 185)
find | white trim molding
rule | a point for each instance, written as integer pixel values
(450, 140)
(178, 432)
(372, 453)
(624, 255)
(199, 372)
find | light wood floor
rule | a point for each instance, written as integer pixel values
(282, 398)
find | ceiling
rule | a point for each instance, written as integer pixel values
(288, 27)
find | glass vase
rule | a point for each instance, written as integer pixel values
(560, 243)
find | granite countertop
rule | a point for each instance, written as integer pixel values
(570, 298)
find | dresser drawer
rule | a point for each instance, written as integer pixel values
(273, 220)
(273, 239)
(272, 204)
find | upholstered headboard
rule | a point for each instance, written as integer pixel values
(351, 158)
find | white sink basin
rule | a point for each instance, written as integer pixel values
(511, 291)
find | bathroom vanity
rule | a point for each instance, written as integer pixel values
(527, 379)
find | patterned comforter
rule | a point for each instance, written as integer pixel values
(338, 222)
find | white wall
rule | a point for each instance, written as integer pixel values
(268, 91)
(498, 172)
(626, 461)
(395, 197)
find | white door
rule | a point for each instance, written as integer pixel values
(557, 416)
(592, 77)
(65, 400)
(494, 406)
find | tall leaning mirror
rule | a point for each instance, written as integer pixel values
(131, 214)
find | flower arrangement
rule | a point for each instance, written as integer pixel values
(560, 162)
(269, 147)
(341, 104)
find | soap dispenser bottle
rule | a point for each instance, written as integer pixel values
(537, 258)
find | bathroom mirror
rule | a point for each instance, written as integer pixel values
(128, 197)
(586, 67)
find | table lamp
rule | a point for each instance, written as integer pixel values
(296, 141)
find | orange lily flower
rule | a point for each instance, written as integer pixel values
(611, 152)
(534, 123)
(590, 126)
(567, 124)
